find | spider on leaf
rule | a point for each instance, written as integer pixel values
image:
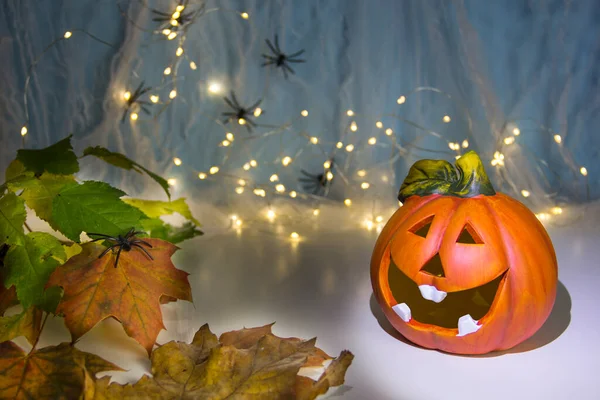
(317, 184)
(280, 59)
(133, 102)
(242, 114)
(126, 243)
(178, 19)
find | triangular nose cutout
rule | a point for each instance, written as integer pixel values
(434, 267)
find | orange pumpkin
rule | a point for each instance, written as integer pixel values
(459, 267)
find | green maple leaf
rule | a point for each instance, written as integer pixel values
(93, 207)
(29, 266)
(39, 193)
(56, 159)
(156, 228)
(119, 160)
(12, 218)
(156, 208)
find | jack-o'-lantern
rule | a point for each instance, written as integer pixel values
(459, 267)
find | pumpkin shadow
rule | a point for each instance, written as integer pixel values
(557, 322)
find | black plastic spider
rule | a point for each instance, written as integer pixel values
(123, 243)
(134, 102)
(317, 184)
(184, 18)
(241, 114)
(279, 59)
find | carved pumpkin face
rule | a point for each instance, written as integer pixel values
(468, 273)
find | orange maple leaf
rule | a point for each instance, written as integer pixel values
(131, 293)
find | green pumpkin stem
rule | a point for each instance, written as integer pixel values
(427, 177)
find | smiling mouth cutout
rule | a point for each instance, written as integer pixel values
(427, 305)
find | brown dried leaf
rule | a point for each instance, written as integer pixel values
(246, 364)
(25, 324)
(54, 372)
(8, 297)
(307, 389)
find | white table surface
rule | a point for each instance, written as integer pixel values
(320, 287)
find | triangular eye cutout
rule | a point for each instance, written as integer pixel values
(469, 236)
(422, 228)
(434, 266)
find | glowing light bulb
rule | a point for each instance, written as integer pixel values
(274, 178)
(372, 140)
(368, 224)
(172, 35)
(177, 161)
(314, 140)
(174, 22)
(327, 164)
(349, 148)
(253, 163)
(498, 159)
(401, 100)
(465, 144)
(233, 217)
(543, 216)
(583, 171)
(193, 65)
(516, 131)
(133, 116)
(389, 131)
(525, 193)
(245, 15)
(271, 214)
(353, 127)
(179, 52)
(361, 173)
(316, 212)
(304, 113)
(509, 140)
(176, 15)
(379, 218)
(339, 145)
(167, 71)
(242, 121)
(68, 34)
(23, 131)
(280, 188)
(213, 170)
(214, 87)
(154, 98)
(225, 143)
(384, 178)
(180, 8)
(557, 139)
(246, 166)
(556, 210)
(286, 161)
(238, 223)
(202, 175)
(239, 190)
(446, 118)
(379, 124)
(257, 111)
(127, 95)
(229, 136)
(173, 94)
(348, 202)
(365, 185)
(294, 235)
(329, 175)
(166, 32)
(241, 182)
(172, 181)
(349, 113)
(293, 194)
(260, 192)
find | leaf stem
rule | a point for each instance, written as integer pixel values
(28, 227)
(40, 332)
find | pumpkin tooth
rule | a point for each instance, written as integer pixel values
(431, 293)
(403, 311)
(466, 325)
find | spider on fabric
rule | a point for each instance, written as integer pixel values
(133, 101)
(317, 184)
(241, 113)
(123, 243)
(280, 59)
(178, 19)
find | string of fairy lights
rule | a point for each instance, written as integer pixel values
(338, 158)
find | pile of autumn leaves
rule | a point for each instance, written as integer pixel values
(44, 275)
